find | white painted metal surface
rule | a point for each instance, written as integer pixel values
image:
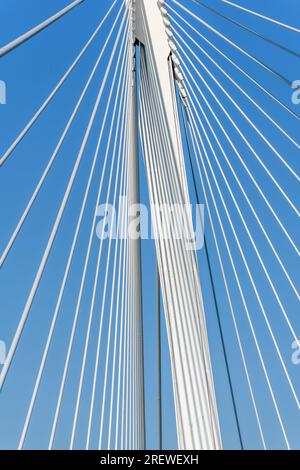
(195, 404)
(135, 285)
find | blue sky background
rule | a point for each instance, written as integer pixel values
(30, 73)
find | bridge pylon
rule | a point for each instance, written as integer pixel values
(194, 394)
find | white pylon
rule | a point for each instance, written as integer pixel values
(195, 403)
(135, 277)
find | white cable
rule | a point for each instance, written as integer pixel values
(83, 275)
(165, 292)
(179, 268)
(239, 285)
(105, 292)
(246, 141)
(121, 359)
(121, 355)
(125, 351)
(246, 264)
(170, 170)
(227, 290)
(122, 407)
(48, 167)
(125, 401)
(128, 365)
(240, 49)
(37, 29)
(248, 120)
(47, 251)
(57, 308)
(87, 339)
(182, 301)
(119, 303)
(120, 297)
(253, 80)
(192, 294)
(92, 306)
(54, 91)
(157, 172)
(105, 288)
(259, 15)
(147, 147)
(241, 187)
(241, 90)
(239, 156)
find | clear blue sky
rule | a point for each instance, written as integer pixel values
(30, 73)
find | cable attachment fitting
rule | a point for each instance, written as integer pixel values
(172, 44)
